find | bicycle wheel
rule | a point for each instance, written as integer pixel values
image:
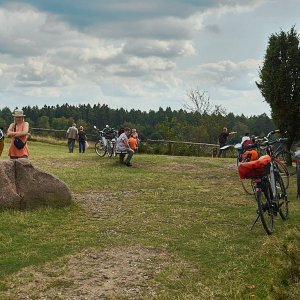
(114, 150)
(110, 151)
(100, 149)
(284, 173)
(265, 209)
(247, 185)
(283, 156)
(282, 204)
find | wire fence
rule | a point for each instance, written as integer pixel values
(150, 146)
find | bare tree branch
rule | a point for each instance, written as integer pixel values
(200, 102)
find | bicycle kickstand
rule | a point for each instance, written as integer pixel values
(254, 222)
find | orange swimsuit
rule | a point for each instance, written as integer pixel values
(13, 151)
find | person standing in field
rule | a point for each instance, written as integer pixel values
(72, 135)
(81, 140)
(19, 132)
(223, 140)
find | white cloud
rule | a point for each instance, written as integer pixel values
(37, 71)
(160, 48)
(141, 53)
(235, 76)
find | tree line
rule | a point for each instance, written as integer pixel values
(181, 125)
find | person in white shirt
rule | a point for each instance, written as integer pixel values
(123, 146)
(246, 137)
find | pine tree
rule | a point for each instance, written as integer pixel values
(280, 82)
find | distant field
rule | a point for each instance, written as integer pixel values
(168, 228)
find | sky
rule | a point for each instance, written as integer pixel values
(138, 54)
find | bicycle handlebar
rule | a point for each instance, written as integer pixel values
(272, 132)
(264, 141)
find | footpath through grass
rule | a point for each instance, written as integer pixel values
(192, 208)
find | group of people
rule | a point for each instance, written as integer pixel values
(127, 142)
(246, 140)
(18, 131)
(74, 134)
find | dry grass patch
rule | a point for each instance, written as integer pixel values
(119, 273)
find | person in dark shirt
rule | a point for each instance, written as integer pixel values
(223, 140)
(81, 140)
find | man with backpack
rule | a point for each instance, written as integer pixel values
(223, 140)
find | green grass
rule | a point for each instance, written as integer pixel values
(193, 208)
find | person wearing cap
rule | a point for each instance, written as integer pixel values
(19, 132)
(123, 146)
(72, 135)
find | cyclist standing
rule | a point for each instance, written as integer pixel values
(223, 140)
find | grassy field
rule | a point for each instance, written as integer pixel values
(191, 209)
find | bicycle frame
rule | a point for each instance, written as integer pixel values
(107, 142)
(280, 148)
(269, 188)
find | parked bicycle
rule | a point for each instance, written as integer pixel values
(244, 154)
(268, 186)
(107, 141)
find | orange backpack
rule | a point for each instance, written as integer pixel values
(250, 155)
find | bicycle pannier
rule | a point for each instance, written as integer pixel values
(254, 168)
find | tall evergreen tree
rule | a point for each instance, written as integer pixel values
(280, 81)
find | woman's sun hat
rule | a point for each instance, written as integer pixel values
(18, 113)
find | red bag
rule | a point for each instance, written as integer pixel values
(246, 143)
(254, 168)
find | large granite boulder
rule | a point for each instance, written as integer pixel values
(22, 186)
